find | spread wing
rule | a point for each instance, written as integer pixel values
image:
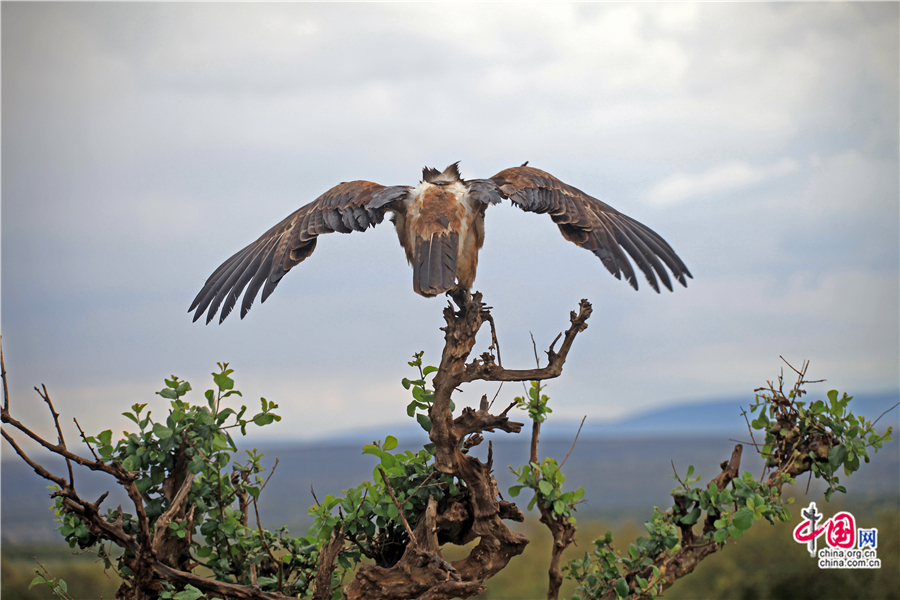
(352, 206)
(594, 225)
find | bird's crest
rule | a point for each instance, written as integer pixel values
(449, 175)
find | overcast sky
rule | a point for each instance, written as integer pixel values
(143, 144)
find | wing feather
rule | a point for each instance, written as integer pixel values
(262, 264)
(625, 241)
(231, 285)
(647, 254)
(201, 301)
(662, 250)
(594, 225)
(248, 272)
(258, 279)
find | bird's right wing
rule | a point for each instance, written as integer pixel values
(594, 225)
(351, 206)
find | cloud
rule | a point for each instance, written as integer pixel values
(725, 177)
(845, 321)
(851, 180)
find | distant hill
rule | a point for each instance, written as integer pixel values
(709, 418)
(624, 466)
(688, 419)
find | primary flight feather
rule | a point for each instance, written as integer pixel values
(440, 224)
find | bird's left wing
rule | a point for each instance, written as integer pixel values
(351, 206)
(593, 225)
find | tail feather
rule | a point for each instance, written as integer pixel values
(434, 264)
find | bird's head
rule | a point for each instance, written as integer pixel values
(449, 175)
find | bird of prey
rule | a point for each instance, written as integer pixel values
(440, 224)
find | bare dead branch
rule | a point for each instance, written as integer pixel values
(495, 344)
(884, 413)
(488, 371)
(84, 438)
(35, 466)
(162, 523)
(3, 376)
(272, 472)
(750, 429)
(387, 484)
(575, 441)
(62, 442)
(499, 387)
(326, 564)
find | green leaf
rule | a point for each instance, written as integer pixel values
(743, 519)
(621, 587)
(36, 581)
(223, 415)
(388, 461)
(263, 419)
(105, 437)
(157, 475)
(713, 492)
(429, 369)
(161, 431)
(189, 593)
(514, 490)
(390, 442)
(545, 487)
(223, 381)
(196, 464)
(558, 507)
(836, 455)
(691, 518)
(424, 421)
